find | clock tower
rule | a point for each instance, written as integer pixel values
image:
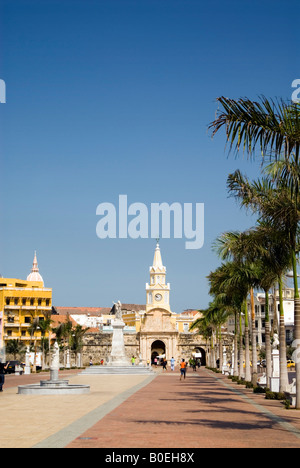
(158, 291)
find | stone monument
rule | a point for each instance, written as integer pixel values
(27, 362)
(118, 362)
(118, 355)
(275, 365)
(54, 386)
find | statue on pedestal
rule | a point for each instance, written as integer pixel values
(118, 310)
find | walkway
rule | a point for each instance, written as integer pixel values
(205, 410)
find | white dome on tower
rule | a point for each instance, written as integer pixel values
(35, 275)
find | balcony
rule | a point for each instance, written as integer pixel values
(15, 324)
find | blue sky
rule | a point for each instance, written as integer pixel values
(109, 97)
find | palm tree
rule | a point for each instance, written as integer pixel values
(204, 328)
(273, 127)
(76, 340)
(235, 246)
(45, 327)
(277, 235)
(33, 328)
(265, 248)
(230, 283)
(64, 334)
(15, 347)
(286, 173)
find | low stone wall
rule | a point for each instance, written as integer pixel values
(97, 346)
(187, 343)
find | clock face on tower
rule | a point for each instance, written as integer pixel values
(158, 297)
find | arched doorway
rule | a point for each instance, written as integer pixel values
(158, 348)
(200, 355)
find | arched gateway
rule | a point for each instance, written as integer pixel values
(158, 349)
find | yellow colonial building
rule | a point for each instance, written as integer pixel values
(21, 301)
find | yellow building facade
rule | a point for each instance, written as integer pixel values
(21, 301)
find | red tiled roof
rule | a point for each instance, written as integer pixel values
(190, 312)
(95, 311)
(57, 319)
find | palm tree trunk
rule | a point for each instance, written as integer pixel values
(241, 354)
(254, 352)
(247, 347)
(268, 341)
(282, 344)
(235, 364)
(296, 329)
(220, 349)
(213, 357)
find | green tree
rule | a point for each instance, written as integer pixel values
(230, 284)
(276, 237)
(77, 340)
(34, 328)
(15, 347)
(273, 128)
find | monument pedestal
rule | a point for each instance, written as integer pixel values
(118, 356)
(118, 362)
(274, 387)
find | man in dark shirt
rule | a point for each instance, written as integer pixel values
(3, 368)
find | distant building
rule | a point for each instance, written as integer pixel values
(20, 302)
(274, 315)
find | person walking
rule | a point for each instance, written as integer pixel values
(182, 369)
(133, 361)
(165, 362)
(172, 362)
(3, 368)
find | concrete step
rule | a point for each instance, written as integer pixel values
(117, 370)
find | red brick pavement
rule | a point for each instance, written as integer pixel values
(198, 412)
